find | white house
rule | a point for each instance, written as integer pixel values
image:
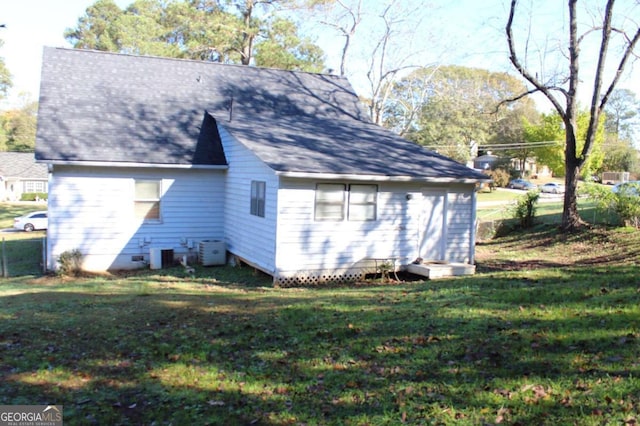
(153, 155)
(20, 174)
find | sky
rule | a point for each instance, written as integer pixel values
(464, 32)
(31, 25)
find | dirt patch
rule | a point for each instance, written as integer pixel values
(548, 248)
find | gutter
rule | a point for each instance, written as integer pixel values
(378, 178)
(52, 163)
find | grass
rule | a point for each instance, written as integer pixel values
(9, 211)
(22, 250)
(547, 332)
(550, 212)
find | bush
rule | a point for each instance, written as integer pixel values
(625, 203)
(500, 177)
(70, 262)
(525, 209)
(33, 196)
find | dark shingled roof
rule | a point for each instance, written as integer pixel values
(105, 107)
(21, 165)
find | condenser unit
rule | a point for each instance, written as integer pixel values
(212, 252)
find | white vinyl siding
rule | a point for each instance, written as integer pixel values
(90, 210)
(252, 238)
(311, 245)
(306, 244)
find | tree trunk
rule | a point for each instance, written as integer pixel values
(247, 35)
(570, 218)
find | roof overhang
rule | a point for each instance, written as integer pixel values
(379, 178)
(132, 165)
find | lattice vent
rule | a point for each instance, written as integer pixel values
(318, 278)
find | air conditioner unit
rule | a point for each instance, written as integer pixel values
(212, 252)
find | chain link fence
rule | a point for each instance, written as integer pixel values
(23, 257)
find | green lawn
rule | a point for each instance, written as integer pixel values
(22, 251)
(549, 212)
(547, 332)
(9, 211)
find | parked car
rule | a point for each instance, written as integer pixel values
(31, 221)
(631, 187)
(552, 188)
(522, 184)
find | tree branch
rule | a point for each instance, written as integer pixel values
(513, 57)
(597, 102)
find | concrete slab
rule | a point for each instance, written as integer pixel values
(441, 270)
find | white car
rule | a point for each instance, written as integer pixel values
(31, 221)
(552, 188)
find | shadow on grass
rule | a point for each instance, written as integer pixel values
(544, 349)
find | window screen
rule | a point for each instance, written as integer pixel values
(362, 202)
(258, 189)
(147, 199)
(329, 202)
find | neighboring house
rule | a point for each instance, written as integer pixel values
(154, 154)
(19, 173)
(485, 162)
(531, 167)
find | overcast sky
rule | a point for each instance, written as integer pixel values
(465, 32)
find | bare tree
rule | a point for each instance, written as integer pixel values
(385, 37)
(383, 72)
(567, 88)
(346, 23)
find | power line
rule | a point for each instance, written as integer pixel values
(498, 147)
(505, 146)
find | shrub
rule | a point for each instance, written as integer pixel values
(33, 196)
(500, 177)
(70, 262)
(525, 208)
(625, 203)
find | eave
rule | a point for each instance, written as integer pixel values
(380, 178)
(132, 165)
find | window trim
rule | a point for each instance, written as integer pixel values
(320, 203)
(258, 198)
(155, 202)
(349, 204)
(353, 205)
(31, 186)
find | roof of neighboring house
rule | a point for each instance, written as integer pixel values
(106, 107)
(486, 157)
(21, 165)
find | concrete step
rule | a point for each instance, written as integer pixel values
(441, 270)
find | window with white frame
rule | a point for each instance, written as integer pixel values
(362, 202)
(329, 201)
(147, 199)
(356, 202)
(34, 186)
(258, 194)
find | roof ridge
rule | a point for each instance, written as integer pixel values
(167, 58)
